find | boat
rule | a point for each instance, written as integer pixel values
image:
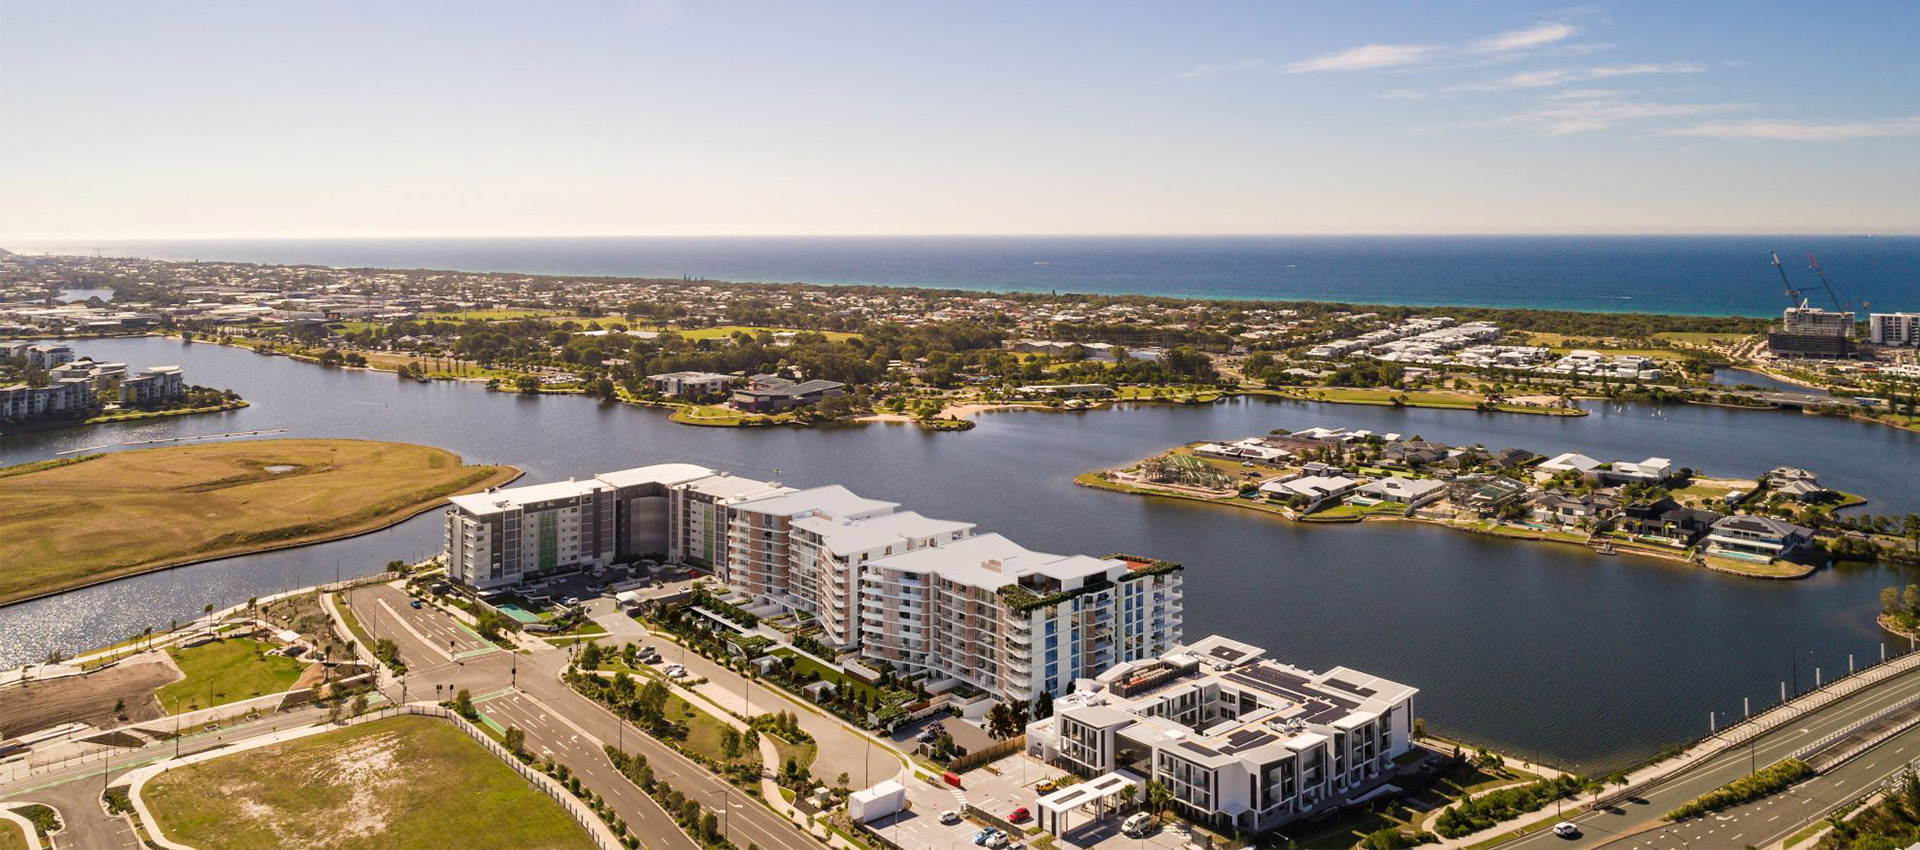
(1606, 548)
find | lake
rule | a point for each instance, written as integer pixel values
(1543, 651)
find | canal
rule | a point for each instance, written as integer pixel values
(1544, 651)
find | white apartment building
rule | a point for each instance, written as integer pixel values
(760, 554)
(1894, 328)
(829, 556)
(699, 513)
(1245, 743)
(990, 613)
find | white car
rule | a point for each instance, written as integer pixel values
(997, 840)
(1135, 824)
(949, 817)
(1566, 829)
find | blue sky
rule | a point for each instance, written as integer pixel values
(203, 119)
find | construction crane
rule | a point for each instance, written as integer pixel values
(1794, 297)
(1832, 295)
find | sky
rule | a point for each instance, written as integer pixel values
(193, 119)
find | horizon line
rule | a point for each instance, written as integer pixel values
(1857, 232)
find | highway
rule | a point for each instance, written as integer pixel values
(1631, 820)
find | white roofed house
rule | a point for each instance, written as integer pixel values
(1245, 743)
(1756, 538)
(1316, 489)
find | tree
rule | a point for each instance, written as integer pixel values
(463, 704)
(843, 780)
(1159, 798)
(1002, 722)
(527, 384)
(515, 739)
(730, 743)
(359, 704)
(1043, 706)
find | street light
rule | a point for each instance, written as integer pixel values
(336, 570)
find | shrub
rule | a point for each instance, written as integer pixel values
(1745, 789)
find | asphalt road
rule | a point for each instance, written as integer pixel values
(1632, 818)
(570, 725)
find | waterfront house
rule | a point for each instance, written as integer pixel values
(1316, 489)
(1653, 470)
(1566, 510)
(1484, 495)
(1409, 491)
(1667, 520)
(1510, 458)
(1251, 448)
(1756, 538)
(1574, 462)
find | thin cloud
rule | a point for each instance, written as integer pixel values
(1538, 35)
(1367, 57)
(1216, 69)
(1587, 116)
(1645, 68)
(1802, 131)
(1561, 76)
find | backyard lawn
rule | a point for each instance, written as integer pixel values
(227, 671)
(402, 782)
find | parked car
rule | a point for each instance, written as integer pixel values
(1566, 829)
(1019, 815)
(416, 603)
(1136, 824)
(1047, 786)
(980, 838)
(997, 840)
(949, 817)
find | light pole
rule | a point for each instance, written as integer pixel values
(336, 570)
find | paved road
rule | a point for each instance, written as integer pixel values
(75, 791)
(575, 727)
(1766, 821)
(1606, 826)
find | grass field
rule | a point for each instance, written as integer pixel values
(128, 512)
(403, 782)
(227, 671)
(703, 731)
(12, 837)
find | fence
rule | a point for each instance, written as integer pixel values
(602, 836)
(983, 755)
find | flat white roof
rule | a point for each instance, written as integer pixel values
(832, 500)
(846, 537)
(992, 561)
(723, 486)
(500, 500)
(667, 474)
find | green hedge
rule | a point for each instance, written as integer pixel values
(1745, 789)
(1473, 814)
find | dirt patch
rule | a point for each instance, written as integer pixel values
(116, 739)
(313, 675)
(87, 698)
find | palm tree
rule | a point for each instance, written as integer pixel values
(1159, 798)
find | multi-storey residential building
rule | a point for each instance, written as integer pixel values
(1894, 328)
(156, 385)
(699, 512)
(921, 593)
(829, 556)
(1011, 621)
(1245, 743)
(63, 397)
(760, 538)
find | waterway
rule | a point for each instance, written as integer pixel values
(1730, 377)
(1541, 650)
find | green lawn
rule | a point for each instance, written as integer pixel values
(12, 837)
(402, 782)
(227, 671)
(703, 731)
(1346, 510)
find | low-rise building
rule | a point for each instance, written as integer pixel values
(1410, 491)
(774, 394)
(691, 385)
(1245, 743)
(1756, 538)
(1667, 520)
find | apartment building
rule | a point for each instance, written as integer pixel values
(65, 396)
(760, 540)
(829, 555)
(699, 512)
(1245, 743)
(502, 536)
(988, 612)
(1894, 328)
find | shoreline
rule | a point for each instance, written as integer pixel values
(1096, 480)
(505, 475)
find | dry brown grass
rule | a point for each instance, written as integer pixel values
(128, 512)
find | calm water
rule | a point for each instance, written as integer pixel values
(1727, 377)
(1712, 275)
(1580, 660)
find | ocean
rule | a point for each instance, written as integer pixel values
(1699, 275)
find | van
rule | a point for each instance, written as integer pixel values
(1136, 824)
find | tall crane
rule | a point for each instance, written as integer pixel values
(1794, 297)
(1832, 295)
